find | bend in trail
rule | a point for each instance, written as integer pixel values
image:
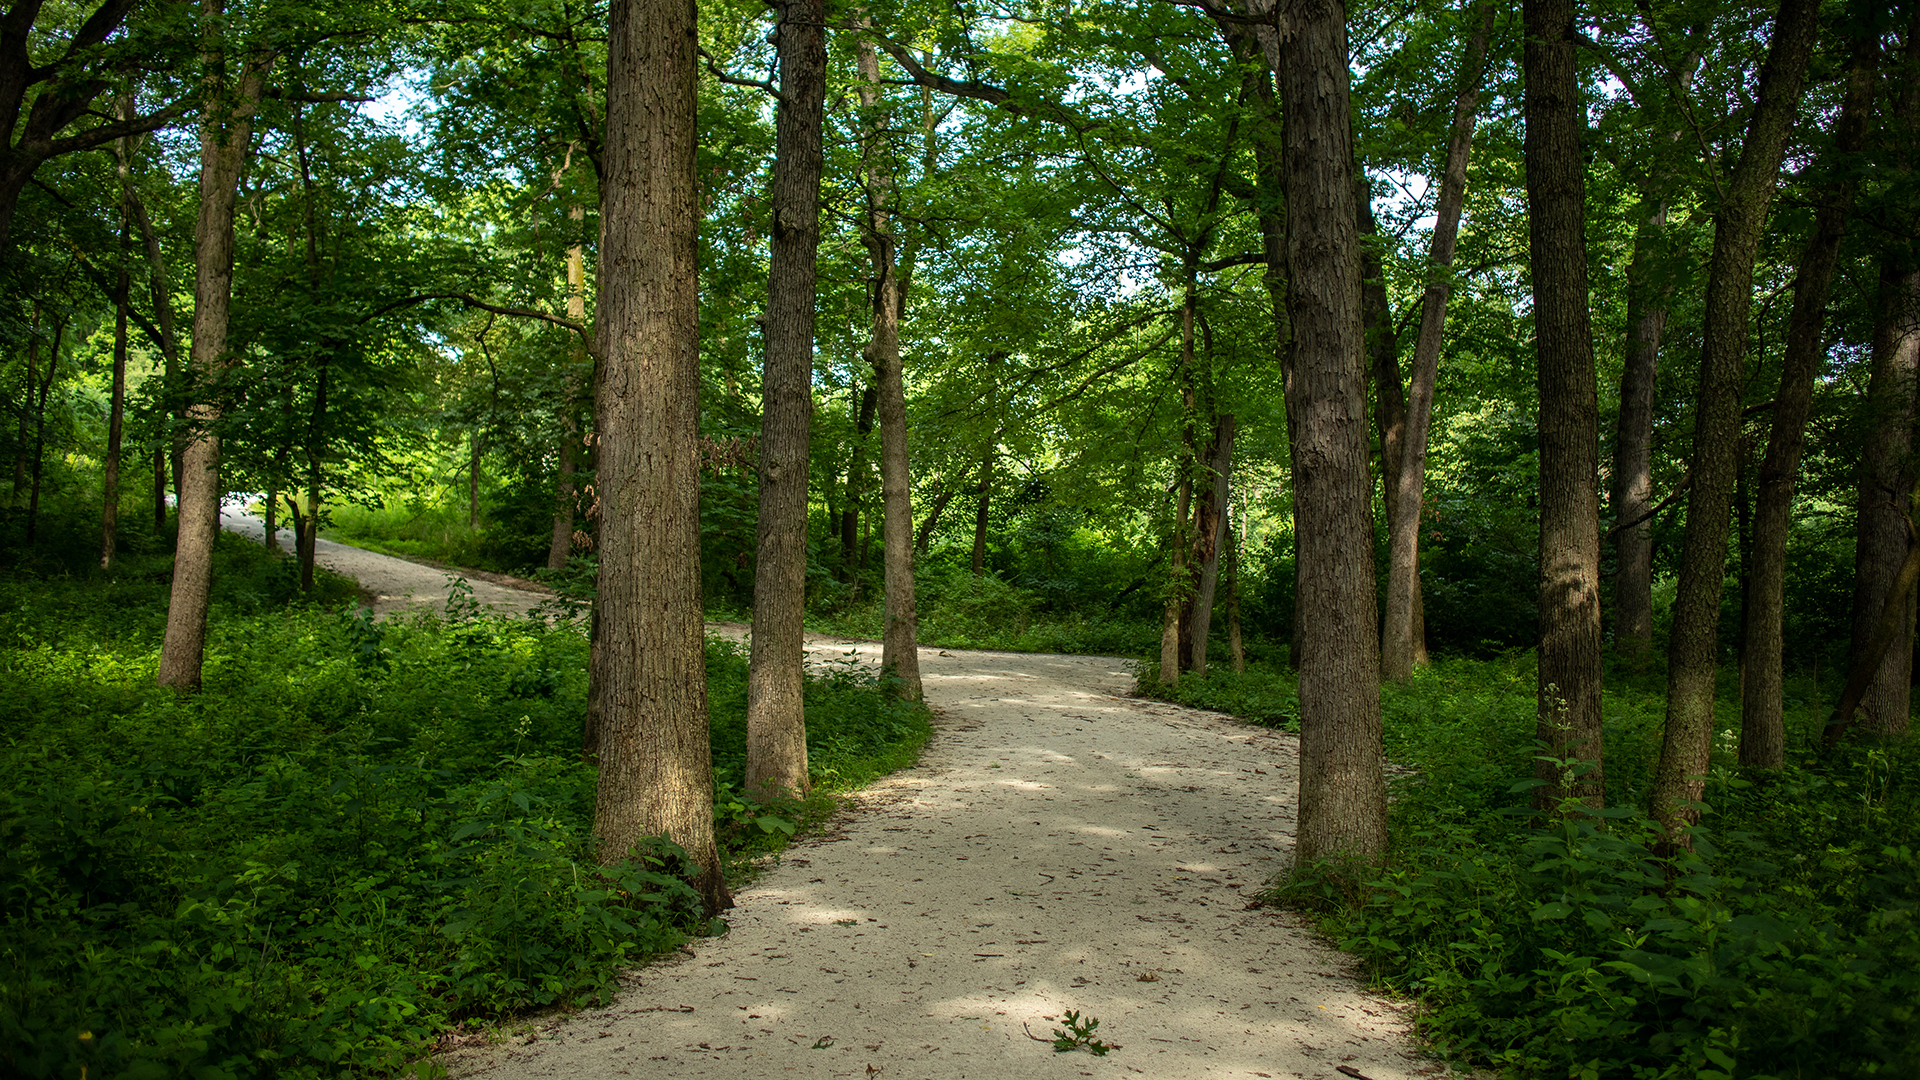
(1061, 846)
(395, 585)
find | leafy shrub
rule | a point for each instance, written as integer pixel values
(1783, 944)
(356, 833)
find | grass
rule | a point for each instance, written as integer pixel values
(960, 611)
(1785, 944)
(357, 834)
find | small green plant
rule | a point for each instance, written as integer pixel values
(1078, 1035)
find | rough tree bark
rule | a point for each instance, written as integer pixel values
(226, 130)
(1568, 703)
(1762, 729)
(776, 722)
(649, 677)
(1343, 796)
(1691, 658)
(1886, 467)
(1403, 642)
(899, 649)
(1882, 533)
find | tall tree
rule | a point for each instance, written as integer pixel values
(1883, 529)
(1568, 705)
(649, 670)
(1343, 798)
(1692, 652)
(1402, 643)
(560, 542)
(233, 85)
(1762, 728)
(899, 649)
(776, 721)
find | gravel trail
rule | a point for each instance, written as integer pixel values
(1061, 846)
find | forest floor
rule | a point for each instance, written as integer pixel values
(1061, 846)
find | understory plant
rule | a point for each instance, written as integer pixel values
(358, 832)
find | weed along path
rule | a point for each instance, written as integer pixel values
(1060, 847)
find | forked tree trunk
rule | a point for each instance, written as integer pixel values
(1762, 728)
(1210, 530)
(1403, 644)
(226, 131)
(1568, 702)
(1343, 795)
(1692, 659)
(899, 648)
(649, 677)
(776, 720)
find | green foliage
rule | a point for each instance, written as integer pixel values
(1783, 944)
(1077, 1034)
(1263, 694)
(960, 611)
(356, 833)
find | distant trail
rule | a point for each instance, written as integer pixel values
(396, 584)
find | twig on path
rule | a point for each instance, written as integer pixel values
(1348, 1070)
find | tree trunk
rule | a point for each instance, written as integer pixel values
(981, 507)
(473, 479)
(270, 520)
(1886, 475)
(226, 132)
(40, 417)
(1180, 575)
(162, 290)
(932, 521)
(1209, 532)
(560, 543)
(1343, 795)
(117, 394)
(899, 649)
(1235, 648)
(1762, 729)
(1632, 495)
(649, 677)
(1692, 653)
(1568, 704)
(776, 721)
(864, 403)
(1404, 640)
(316, 447)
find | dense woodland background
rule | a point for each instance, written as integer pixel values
(1597, 326)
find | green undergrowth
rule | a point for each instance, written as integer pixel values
(1784, 945)
(436, 533)
(358, 833)
(960, 611)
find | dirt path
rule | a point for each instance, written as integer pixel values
(1060, 846)
(396, 585)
